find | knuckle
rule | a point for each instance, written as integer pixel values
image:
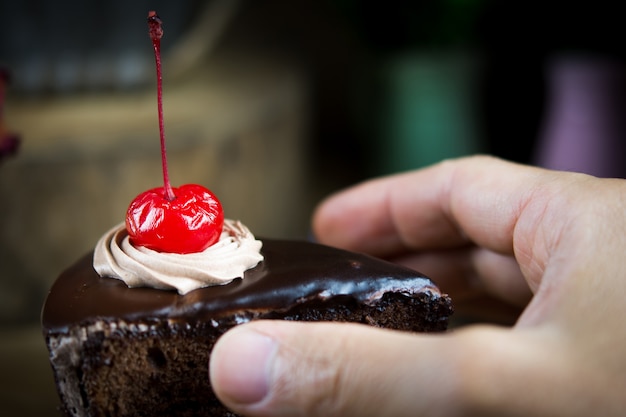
(312, 385)
(472, 370)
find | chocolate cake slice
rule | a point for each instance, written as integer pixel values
(119, 351)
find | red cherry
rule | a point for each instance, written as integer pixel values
(186, 219)
(191, 222)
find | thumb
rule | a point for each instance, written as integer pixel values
(279, 368)
(327, 369)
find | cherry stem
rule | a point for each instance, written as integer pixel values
(155, 29)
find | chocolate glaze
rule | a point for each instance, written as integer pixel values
(293, 272)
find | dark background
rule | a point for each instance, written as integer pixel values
(310, 96)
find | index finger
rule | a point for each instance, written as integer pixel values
(450, 204)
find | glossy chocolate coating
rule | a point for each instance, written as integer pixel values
(292, 273)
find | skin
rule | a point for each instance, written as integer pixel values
(547, 245)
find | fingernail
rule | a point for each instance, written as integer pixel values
(240, 364)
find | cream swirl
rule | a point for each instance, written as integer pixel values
(235, 252)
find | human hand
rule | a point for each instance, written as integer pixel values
(552, 243)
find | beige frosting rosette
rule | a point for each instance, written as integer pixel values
(236, 251)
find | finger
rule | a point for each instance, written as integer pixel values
(484, 285)
(329, 369)
(471, 271)
(476, 199)
(318, 371)
(506, 208)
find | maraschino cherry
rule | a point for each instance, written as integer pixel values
(186, 219)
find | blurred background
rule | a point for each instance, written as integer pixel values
(272, 104)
